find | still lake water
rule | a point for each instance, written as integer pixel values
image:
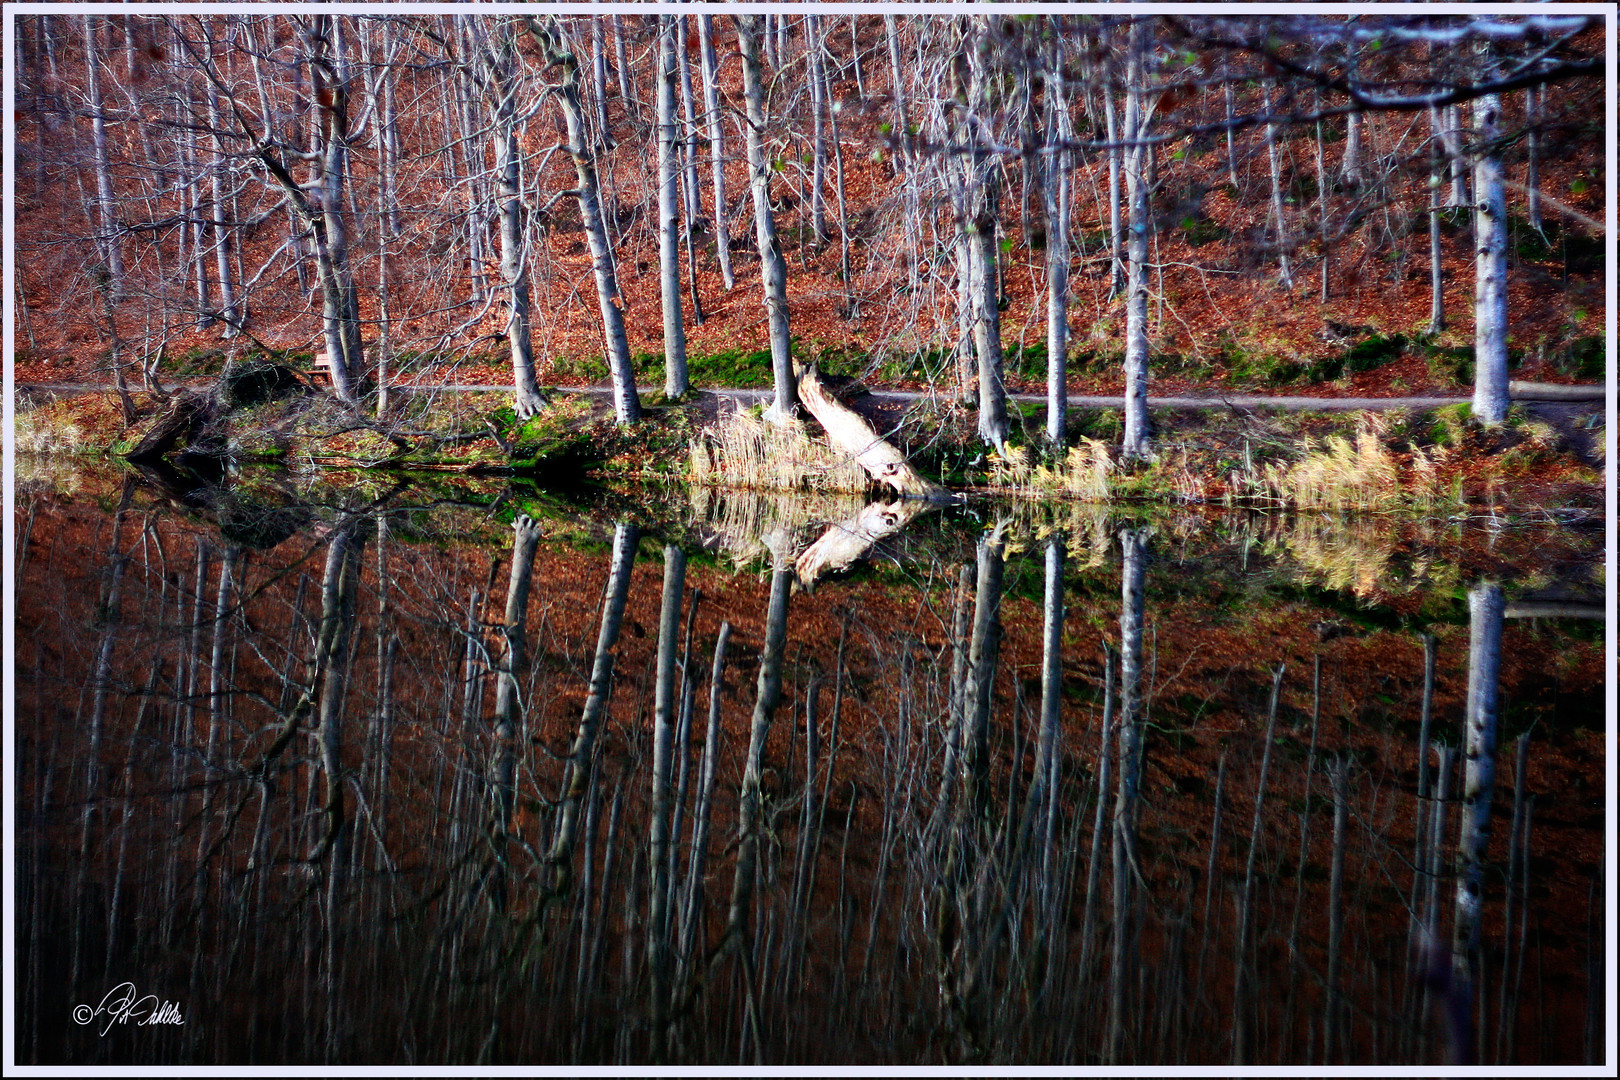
(469, 776)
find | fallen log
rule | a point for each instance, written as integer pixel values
(850, 434)
(1529, 391)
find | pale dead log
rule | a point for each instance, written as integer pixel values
(849, 433)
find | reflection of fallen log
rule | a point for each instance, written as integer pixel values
(846, 542)
(850, 434)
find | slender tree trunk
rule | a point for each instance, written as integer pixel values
(814, 61)
(1285, 275)
(1451, 135)
(599, 80)
(109, 276)
(339, 588)
(1322, 210)
(717, 161)
(982, 211)
(1338, 771)
(692, 904)
(669, 260)
(1241, 1012)
(221, 236)
(773, 272)
(1490, 273)
(1437, 164)
(1532, 155)
(1116, 238)
(689, 167)
(626, 88)
(1056, 193)
(340, 314)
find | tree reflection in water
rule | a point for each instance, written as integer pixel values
(1005, 794)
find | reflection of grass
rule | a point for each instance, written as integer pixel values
(1361, 557)
(742, 450)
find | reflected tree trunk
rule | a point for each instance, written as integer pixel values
(1485, 606)
(511, 665)
(664, 720)
(1241, 1016)
(560, 857)
(767, 697)
(1134, 543)
(983, 651)
(692, 904)
(339, 585)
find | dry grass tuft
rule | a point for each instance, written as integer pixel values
(1083, 474)
(744, 451)
(1364, 476)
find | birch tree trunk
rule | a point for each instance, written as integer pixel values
(1056, 193)
(773, 272)
(340, 313)
(501, 88)
(626, 401)
(1136, 445)
(669, 214)
(1490, 268)
(981, 211)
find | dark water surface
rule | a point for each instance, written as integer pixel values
(416, 777)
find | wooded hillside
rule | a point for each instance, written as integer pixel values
(968, 202)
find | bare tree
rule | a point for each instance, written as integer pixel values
(669, 211)
(1138, 111)
(1490, 272)
(772, 270)
(557, 51)
(496, 76)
